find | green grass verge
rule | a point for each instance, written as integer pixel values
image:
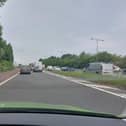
(117, 81)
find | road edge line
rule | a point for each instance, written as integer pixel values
(87, 85)
(10, 78)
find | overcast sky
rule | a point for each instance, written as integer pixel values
(41, 28)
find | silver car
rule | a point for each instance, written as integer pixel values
(25, 70)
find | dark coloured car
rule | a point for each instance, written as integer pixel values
(124, 71)
(25, 70)
(64, 68)
(68, 69)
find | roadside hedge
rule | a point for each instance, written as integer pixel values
(5, 66)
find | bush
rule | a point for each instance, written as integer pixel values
(5, 66)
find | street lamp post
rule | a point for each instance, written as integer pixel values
(97, 44)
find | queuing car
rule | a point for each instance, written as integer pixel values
(49, 68)
(56, 68)
(25, 70)
(67, 69)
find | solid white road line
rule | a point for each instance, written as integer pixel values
(122, 95)
(5, 81)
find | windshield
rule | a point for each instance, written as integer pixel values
(64, 52)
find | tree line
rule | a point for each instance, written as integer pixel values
(83, 59)
(6, 50)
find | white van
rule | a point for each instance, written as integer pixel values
(38, 67)
(99, 67)
(49, 68)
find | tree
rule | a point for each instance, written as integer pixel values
(122, 63)
(40, 60)
(0, 32)
(70, 56)
(104, 57)
(2, 2)
(10, 53)
(82, 60)
(6, 51)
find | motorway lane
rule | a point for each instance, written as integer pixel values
(41, 87)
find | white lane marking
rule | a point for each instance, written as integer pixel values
(5, 81)
(105, 87)
(88, 85)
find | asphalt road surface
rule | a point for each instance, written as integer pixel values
(44, 88)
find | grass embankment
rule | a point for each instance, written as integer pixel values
(116, 81)
(6, 66)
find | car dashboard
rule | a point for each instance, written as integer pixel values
(29, 119)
